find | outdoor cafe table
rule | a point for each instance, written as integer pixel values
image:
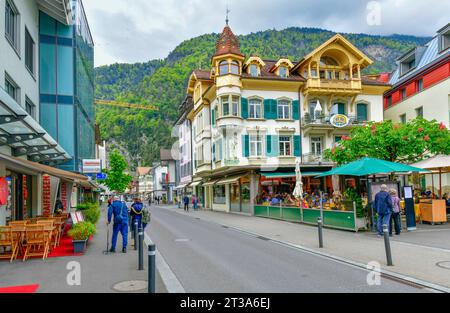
(19, 235)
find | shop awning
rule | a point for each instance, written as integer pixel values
(210, 183)
(180, 187)
(42, 169)
(195, 184)
(279, 175)
(229, 180)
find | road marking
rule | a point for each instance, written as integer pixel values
(408, 280)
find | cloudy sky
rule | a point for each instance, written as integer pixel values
(128, 31)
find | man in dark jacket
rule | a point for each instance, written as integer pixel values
(136, 213)
(120, 211)
(384, 208)
(186, 203)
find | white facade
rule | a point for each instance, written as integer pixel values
(185, 148)
(201, 141)
(159, 180)
(12, 59)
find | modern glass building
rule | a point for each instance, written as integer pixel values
(67, 85)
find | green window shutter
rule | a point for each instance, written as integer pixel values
(269, 145)
(297, 146)
(267, 109)
(341, 108)
(275, 146)
(362, 112)
(245, 146)
(296, 110)
(244, 108)
(274, 106)
(213, 114)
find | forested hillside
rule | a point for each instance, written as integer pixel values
(140, 134)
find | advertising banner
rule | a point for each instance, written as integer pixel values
(4, 192)
(92, 166)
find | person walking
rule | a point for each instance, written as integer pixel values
(119, 210)
(136, 213)
(186, 203)
(383, 207)
(195, 202)
(397, 213)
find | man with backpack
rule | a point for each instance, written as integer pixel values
(119, 210)
(384, 208)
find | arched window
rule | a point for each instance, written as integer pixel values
(328, 61)
(234, 67)
(223, 68)
(362, 113)
(254, 70)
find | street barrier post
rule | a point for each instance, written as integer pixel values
(387, 245)
(135, 235)
(320, 227)
(141, 249)
(151, 268)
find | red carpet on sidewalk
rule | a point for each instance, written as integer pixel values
(20, 289)
(65, 249)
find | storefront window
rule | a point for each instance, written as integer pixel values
(219, 195)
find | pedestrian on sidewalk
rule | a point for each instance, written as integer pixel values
(146, 217)
(195, 202)
(119, 210)
(136, 213)
(186, 203)
(397, 215)
(383, 207)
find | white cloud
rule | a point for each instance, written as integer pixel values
(141, 30)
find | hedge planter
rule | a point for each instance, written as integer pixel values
(79, 246)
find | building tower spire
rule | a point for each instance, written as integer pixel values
(228, 12)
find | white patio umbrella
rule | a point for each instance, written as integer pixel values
(298, 191)
(318, 107)
(440, 164)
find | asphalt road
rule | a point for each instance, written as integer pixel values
(208, 258)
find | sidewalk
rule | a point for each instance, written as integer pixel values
(99, 272)
(413, 259)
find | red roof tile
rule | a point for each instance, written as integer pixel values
(227, 43)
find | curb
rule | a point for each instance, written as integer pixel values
(406, 279)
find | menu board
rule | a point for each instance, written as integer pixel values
(46, 198)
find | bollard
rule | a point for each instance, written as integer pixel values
(135, 235)
(320, 224)
(151, 268)
(141, 249)
(387, 245)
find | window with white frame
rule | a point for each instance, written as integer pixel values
(30, 108)
(30, 53)
(256, 145)
(235, 105)
(255, 108)
(254, 70)
(12, 24)
(283, 71)
(284, 109)
(224, 68)
(234, 67)
(12, 88)
(225, 105)
(285, 145)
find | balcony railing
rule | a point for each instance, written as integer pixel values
(336, 84)
(325, 120)
(315, 158)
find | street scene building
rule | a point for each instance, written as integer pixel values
(46, 65)
(421, 88)
(253, 120)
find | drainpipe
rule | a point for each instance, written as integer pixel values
(300, 122)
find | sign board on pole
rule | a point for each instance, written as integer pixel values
(92, 166)
(409, 208)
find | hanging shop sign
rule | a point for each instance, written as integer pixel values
(92, 166)
(4, 191)
(340, 120)
(64, 195)
(46, 195)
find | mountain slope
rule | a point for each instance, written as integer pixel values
(163, 82)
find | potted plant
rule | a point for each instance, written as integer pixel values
(80, 234)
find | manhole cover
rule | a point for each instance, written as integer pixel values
(444, 265)
(130, 286)
(182, 240)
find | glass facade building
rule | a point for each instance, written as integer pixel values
(67, 85)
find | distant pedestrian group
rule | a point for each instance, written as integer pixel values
(387, 207)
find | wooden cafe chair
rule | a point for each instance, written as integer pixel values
(36, 241)
(7, 242)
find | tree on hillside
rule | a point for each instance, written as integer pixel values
(395, 142)
(116, 179)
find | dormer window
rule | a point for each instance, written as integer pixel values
(408, 63)
(254, 70)
(444, 38)
(283, 71)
